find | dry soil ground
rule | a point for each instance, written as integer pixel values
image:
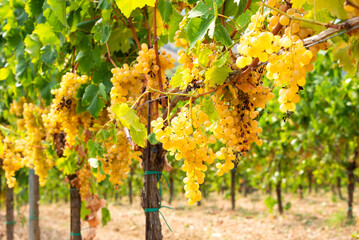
(314, 217)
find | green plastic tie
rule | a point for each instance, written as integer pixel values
(73, 189)
(10, 222)
(34, 218)
(158, 209)
(75, 234)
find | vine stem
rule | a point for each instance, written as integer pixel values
(295, 18)
(155, 45)
(138, 99)
(224, 16)
(130, 25)
(109, 56)
(147, 26)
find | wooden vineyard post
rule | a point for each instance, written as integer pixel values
(10, 222)
(171, 187)
(34, 228)
(279, 190)
(153, 160)
(233, 188)
(351, 187)
(130, 186)
(75, 203)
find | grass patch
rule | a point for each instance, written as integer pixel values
(339, 219)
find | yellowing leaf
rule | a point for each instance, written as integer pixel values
(127, 6)
(297, 3)
(4, 73)
(217, 75)
(130, 120)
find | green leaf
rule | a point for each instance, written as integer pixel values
(34, 7)
(222, 61)
(104, 4)
(106, 216)
(197, 28)
(201, 10)
(86, 26)
(4, 73)
(96, 106)
(102, 135)
(221, 35)
(152, 138)
(179, 78)
(203, 58)
(209, 108)
(244, 19)
(127, 6)
(102, 91)
(68, 164)
(173, 25)
(103, 75)
(91, 92)
(84, 211)
(102, 31)
(33, 45)
(45, 34)
(59, 9)
(217, 75)
(94, 149)
(119, 40)
(129, 119)
(165, 8)
(48, 54)
(84, 58)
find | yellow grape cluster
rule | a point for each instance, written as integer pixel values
(181, 42)
(119, 157)
(186, 138)
(35, 133)
(127, 79)
(256, 43)
(11, 158)
(62, 115)
(17, 109)
(84, 176)
(237, 127)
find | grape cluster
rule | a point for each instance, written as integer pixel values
(119, 157)
(62, 115)
(35, 133)
(187, 139)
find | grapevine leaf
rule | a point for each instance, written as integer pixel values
(222, 61)
(197, 29)
(96, 106)
(244, 19)
(127, 6)
(4, 73)
(84, 211)
(102, 91)
(217, 75)
(173, 25)
(86, 26)
(85, 61)
(34, 7)
(94, 149)
(203, 58)
(106, 216)
(59, 9)
(165, 8)
(209, 108)
(91, 92)
(102, 135)
(103, 75)
(221, 35)
(104, 4)
(119, 40)
(102, 31)
(48, 54)
(129, 119)
(231, 8)
(33, 45)
(297, 3)
(201, 10)
(180, 78)
(45, 34)
(67, 164)
(152, 138)
(176, 79)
